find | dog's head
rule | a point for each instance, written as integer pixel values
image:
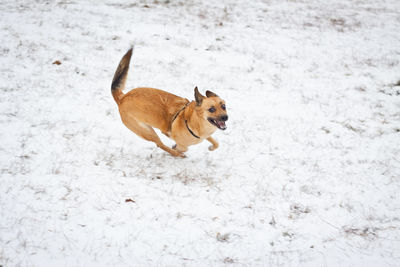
(212, 107)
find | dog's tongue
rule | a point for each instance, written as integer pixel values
(221, 125)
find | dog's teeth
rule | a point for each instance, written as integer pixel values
(221, 125)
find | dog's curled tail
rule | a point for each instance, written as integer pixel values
(118, 82)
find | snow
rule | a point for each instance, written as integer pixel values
(307, 173)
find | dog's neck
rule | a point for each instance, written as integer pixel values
(197, 126)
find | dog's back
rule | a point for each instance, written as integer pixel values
(151, 106)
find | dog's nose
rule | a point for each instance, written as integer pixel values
(224, 117)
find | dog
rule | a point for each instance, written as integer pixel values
(186, 122)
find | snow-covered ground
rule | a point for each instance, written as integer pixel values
(307, 173)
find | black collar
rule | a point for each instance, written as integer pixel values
(176, 114)
(191, 130)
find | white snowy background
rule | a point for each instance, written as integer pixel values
(307, 173)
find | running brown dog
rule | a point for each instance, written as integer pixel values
(187, 123)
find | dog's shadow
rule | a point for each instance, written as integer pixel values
(196, 168)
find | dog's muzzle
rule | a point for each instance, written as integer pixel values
(219, 122)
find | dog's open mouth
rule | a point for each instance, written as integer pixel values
(220, 124)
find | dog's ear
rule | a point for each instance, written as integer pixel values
(211, 94)
(198, 97)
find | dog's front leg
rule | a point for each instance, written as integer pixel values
(213, 142)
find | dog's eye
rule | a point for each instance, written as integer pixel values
(211, 110)
(223, 106)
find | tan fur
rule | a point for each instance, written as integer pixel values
(143, 109)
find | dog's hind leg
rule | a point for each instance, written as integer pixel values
(213, 142)
(147, 132)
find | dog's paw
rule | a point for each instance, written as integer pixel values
(212, 148)
(180, 154)
(177, 153)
